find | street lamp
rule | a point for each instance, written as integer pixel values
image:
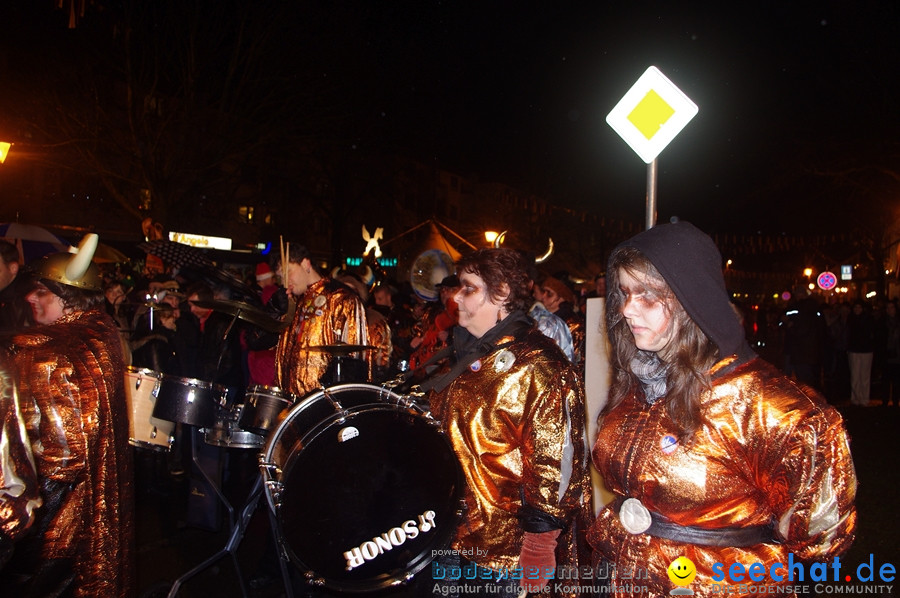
(4, 150)
(494, 239)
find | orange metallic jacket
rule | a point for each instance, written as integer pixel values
(328, 313)
(20, 493)
(515, 420)
(767, 452)
(72, 390)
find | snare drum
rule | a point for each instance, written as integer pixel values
(262, 406)
(188, 401)
(226, 432)
(145, 431)
(363, 485)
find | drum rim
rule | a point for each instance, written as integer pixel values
(214, 432)
(191, 381)
(130, 369)
(307, 400)
(227, 427)
(143, 444)
(273, 389)
(382, 580)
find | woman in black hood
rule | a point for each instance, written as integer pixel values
(710, 451)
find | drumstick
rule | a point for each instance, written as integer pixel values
(292, 302)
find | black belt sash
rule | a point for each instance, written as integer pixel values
(737, 537)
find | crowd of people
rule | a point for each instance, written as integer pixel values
(848, 350)
(709, 452)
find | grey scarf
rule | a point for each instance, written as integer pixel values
(652, 372)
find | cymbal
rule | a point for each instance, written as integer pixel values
(154, 305)
(341, 348)
(243, 311)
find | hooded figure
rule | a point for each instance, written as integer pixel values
(711, 453)
(71, 376)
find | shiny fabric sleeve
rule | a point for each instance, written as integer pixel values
(555, 328)
(379, 333)
(19, 489)
(349, 321)
(811, 483)
(61, 446)
(553, 446)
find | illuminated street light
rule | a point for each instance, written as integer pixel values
(494, 240)
(4, 150)
(807, 272)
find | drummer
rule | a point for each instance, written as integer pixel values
(327, 313)
(71, 374)
(207, 345)
(511, 406)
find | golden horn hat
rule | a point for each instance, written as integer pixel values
(75, 270)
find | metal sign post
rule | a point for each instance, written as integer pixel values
(651, 195)
(648, 117)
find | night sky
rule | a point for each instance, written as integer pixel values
(786, 96)
(798, 125)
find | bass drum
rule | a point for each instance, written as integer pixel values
(363, 485)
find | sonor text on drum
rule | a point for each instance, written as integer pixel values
(396, 536)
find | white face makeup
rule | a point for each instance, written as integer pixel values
(477, 311)
(647, 316)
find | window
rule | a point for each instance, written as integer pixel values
(246, 214)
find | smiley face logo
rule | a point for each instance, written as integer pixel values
(682, 571)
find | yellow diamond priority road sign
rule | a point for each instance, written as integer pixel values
(651, 114)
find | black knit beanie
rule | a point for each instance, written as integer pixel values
(691, 265)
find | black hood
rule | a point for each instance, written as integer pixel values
(691, 265)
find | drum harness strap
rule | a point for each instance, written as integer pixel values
(472, 348)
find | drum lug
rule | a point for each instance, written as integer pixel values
(416, 394)
(269, 468)
(275, 489)
(312, 580)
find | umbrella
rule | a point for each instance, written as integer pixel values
(32, 241)
(177, 254)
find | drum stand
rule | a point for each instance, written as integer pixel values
(238, 528)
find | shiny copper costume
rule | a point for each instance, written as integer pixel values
(379, 334)
(515, 419)
(328, 313)
(765, 452)
(20, 493)
(578, 328)
(71, 376)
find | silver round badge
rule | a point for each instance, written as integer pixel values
(634, 516)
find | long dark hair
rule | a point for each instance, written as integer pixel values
(689, 355)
